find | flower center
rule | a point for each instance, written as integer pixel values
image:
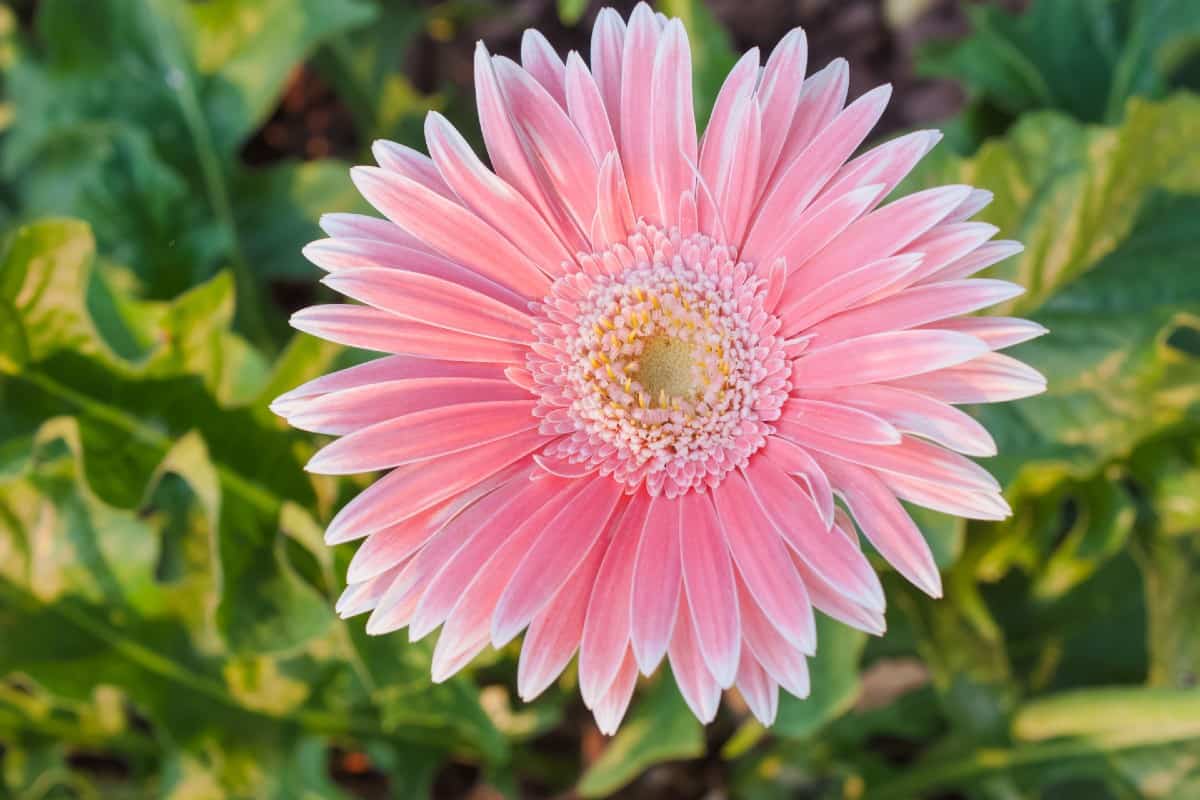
(665, 369)
(658, 364)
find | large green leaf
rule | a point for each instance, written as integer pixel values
(159, 539)
(130, 114)
(1082, 57)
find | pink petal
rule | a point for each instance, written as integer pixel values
(641, 44)
(821, 98)
(611, 708)
(465, 632)
(384, 549)
(607, 56)
(508, 154)
(394, 610)
(946, 243)
(450, 229)
(981, 258)
(795, 461)
(764, 564)
(539, 60)
(497, 203)
(820, 224)
(614, 211)
(913, 457)
(362, 596)
(784, 663)
(606, 632)
(735, 183)
(555, 631)
(912, 307)
(758, 689)
(829, 601)
(886, 164)
(916, 413)
(696, 684)
(779, 95)
(673, 146)
(349, 410)
(371, 329)
(585, 105)
(553, 144)
(433, 301)
(553, 556)
(947, 499)
(407, 491)
(739, 85)
(886, 523)
(826, 552)
(990, 378)
(879, 234)
(996, 332)
(338, 255)
(801, 311)
(383, 370)
(424, 435)
(412, 164)
(360, 226)
(708, 578)
(656, 583)
(480, 532)
(800, 182)
(883, 357)
(978, 200)
(841, 421)
(399, 604)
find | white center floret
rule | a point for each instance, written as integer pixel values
(658, 360)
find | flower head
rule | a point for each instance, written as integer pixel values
(632, 368)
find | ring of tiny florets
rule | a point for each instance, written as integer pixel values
(656, 363)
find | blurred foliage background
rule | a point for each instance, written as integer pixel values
(166, 624)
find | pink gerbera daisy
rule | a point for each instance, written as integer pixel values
(632, 371)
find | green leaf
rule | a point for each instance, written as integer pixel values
(44, 268)
(280, 206)
(131, 116)
(833, 674)
(245, 50)
(659, 728)
(1118, 716)
(570, 11)
(14, 350)
(164, 535)
(1083, 57)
